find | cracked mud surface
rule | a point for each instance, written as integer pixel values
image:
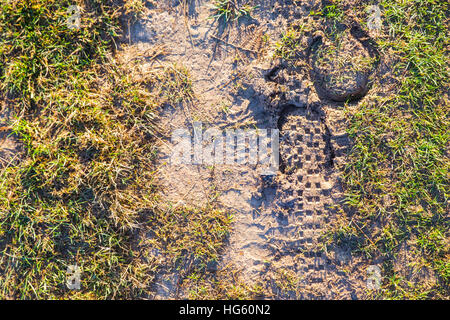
(278, 224)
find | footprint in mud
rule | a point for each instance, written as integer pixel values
(341, 67)
(308, 186)
(341, 64)
(304, 187)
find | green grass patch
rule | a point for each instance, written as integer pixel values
(397, 176)
(83, 191)
(231, 10)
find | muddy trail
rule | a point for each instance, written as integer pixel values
(224, 149)
(279, 221)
